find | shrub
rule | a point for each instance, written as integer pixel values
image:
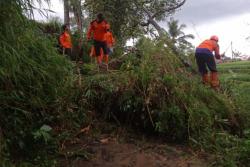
(36, 88)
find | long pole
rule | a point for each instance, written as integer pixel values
(232, 50)
(195, 30)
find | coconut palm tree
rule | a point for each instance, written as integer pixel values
(177, 36)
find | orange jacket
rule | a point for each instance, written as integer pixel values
(65, 40)
(210, 45)
(109, 39)
(98, 30)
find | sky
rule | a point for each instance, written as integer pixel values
(55, 5)
(228, 19)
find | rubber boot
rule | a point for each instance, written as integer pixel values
(205, 79)
(215, 83)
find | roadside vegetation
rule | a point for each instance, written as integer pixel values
(45, 101)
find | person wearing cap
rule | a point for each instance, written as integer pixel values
(96, 31)
(205, 55)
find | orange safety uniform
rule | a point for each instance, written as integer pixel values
(109, 39)
(98, 30)
(211, 45)
(65, 40)
(205, 58)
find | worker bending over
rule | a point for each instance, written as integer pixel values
(205, 58)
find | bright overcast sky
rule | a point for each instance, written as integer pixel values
(229, 19)
(55, 5)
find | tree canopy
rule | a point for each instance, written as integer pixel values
(131, 18)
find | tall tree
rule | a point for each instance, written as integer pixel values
(77, 10)
(66, 11)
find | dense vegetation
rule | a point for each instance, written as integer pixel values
(235, 81)
(36, 85)
(155, 93)
(44, 101)
(236, 78)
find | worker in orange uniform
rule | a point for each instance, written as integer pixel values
(110, 41)
(205, 58)
(65, 41)
(97, 30)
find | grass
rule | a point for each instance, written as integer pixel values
(235, 80)
(235, 76)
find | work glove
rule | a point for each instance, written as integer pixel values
(217, 56)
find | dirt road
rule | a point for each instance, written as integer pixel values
(109, 152)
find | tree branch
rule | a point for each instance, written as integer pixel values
(151, 17)
(169, 9)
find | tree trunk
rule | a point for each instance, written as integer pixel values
(151, 16)
(66, 12)
(78, 16)
(151, 21)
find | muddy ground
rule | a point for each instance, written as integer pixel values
(123, 150)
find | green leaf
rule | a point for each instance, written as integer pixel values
(46, 128)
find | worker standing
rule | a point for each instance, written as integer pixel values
(97, 30)
(110, 41)
(65, 41)
(205, 58)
